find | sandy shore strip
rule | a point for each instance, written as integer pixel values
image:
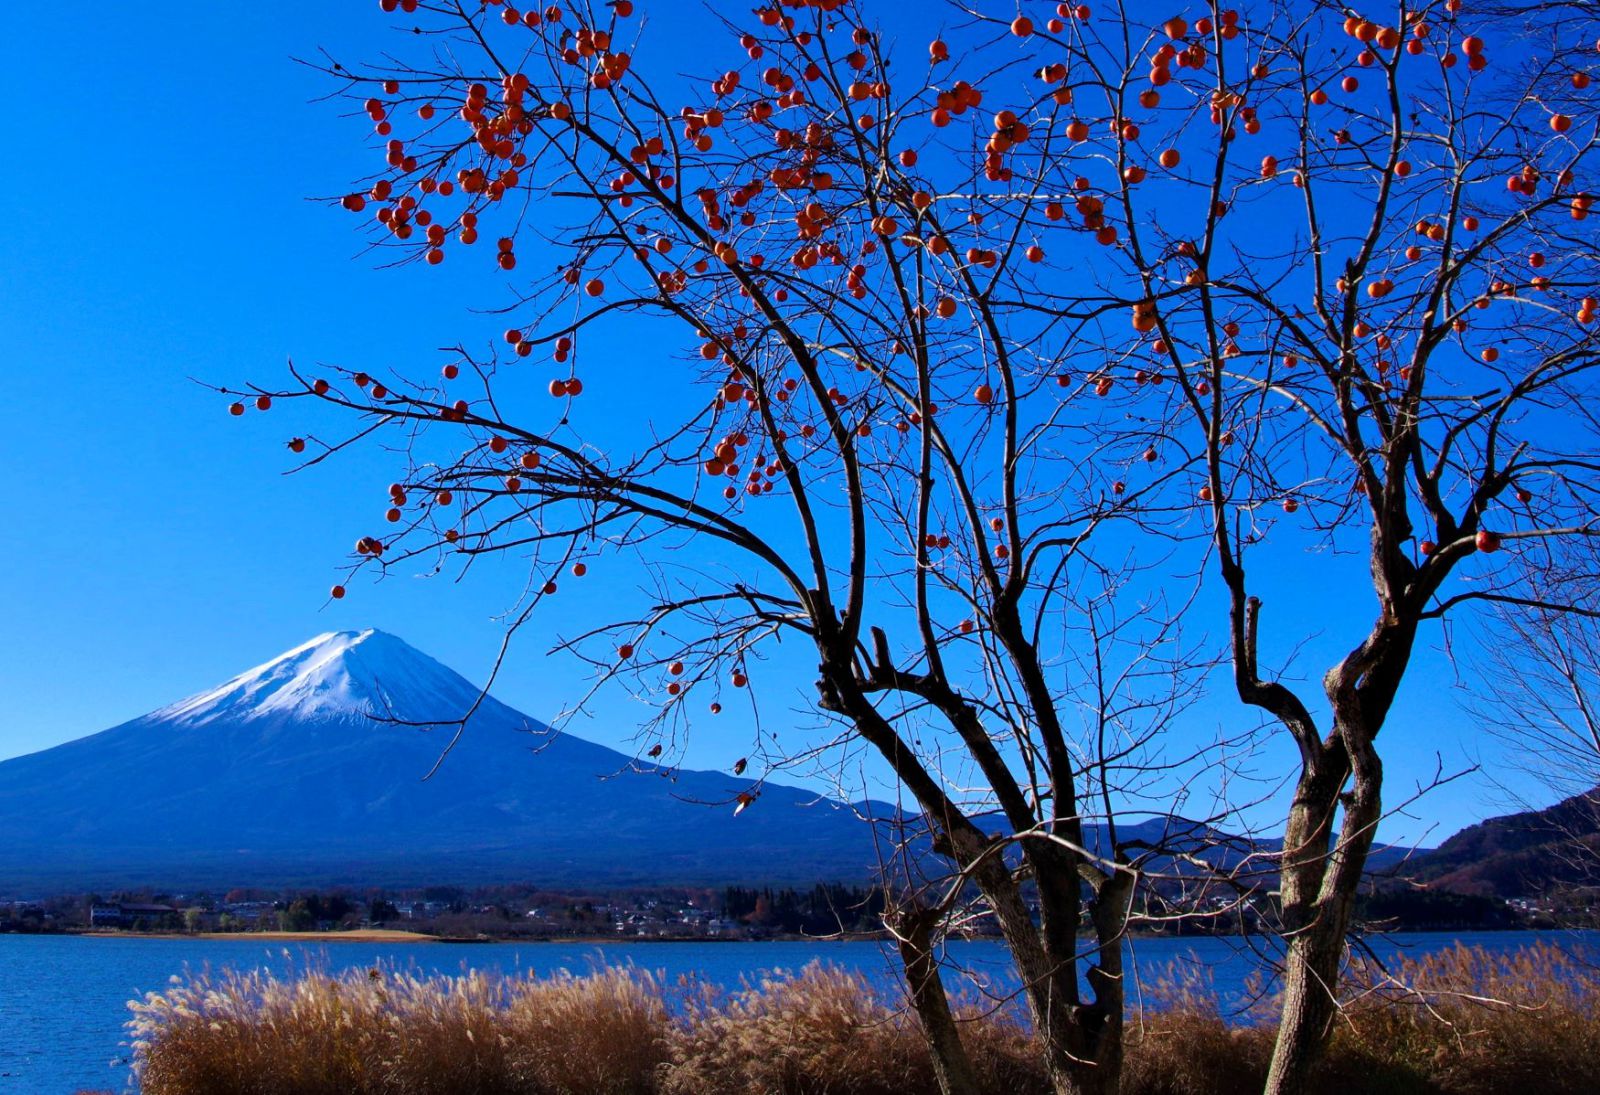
(360, 935)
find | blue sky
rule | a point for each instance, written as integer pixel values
(158, 229)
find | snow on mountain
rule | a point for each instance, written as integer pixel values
(349, 675)
(300, 771)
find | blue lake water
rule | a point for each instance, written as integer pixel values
(63, 999)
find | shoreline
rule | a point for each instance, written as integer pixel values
(400, 935)
(395, 935)
(357, 935)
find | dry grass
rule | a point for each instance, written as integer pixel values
(1468, 1022)
(385, 1032)
(823, 1031)
(1180, 1042)
(1461, 1022)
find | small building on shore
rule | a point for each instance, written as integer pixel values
(124, 913)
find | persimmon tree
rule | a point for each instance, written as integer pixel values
(979, 351)
(871, 433)
(1373, 284)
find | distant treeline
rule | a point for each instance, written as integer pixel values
(731, 912)
(498, 911)
(821, 910)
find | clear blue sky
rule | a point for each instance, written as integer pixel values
(157, 229)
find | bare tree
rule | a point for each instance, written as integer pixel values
(1539, 694)
(1541, 691)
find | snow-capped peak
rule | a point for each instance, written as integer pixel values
(350, 675)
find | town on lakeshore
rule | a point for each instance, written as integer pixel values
(695, 914)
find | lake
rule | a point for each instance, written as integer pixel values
(63, 999)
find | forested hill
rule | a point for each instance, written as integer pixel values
(1519, 855)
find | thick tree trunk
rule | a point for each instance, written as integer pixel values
(1107, 978)
(952, 1067)
(1080, 1043)
(1049, 987)
(1320, 881)
(1307, 994)
(1310, 1004)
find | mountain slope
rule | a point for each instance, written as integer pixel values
(284, 775)
(1520, 855)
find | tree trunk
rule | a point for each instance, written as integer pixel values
(1107, 977)
(952, 1068)
(1310, 1003)
(1320, 881)
(1073, 1038)
(1080, 1044)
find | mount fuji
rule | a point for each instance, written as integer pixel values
(298, 772)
